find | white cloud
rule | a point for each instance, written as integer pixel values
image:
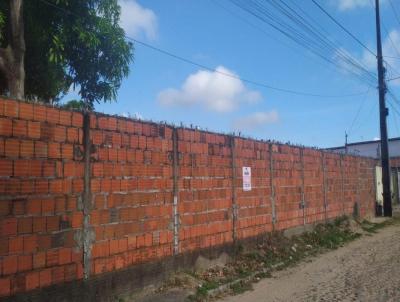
(136, 19)
(352, 4)
(346, 5)
(212, 90)
(256, 120)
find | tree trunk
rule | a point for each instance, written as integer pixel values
(12, 58)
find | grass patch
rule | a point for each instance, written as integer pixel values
(276, 252)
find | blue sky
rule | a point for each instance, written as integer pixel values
(220, 35)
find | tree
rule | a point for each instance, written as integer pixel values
(68, 44)
(13, 55)
(76, 105)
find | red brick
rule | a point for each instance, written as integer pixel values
(12, 148)
(27, 149)
(34, 130)
(41, 149)
(41, 186)
(2, 146)
(5, 126)
(77, 220)
(5, 207)
(25, 225)
(21, 167)
(114, 249)
(49, 169)
(34, 206)
(131, 242)
(48, 206)
(60, 134)
(18, 207)
(45, 277)
(77, 119)
(39, 113)
(9, 226)
(52, 115)
(57, 274)
(67, 151)
(53, 223)
(26, 111)
(35, 168)
(20, 128)
(30, 244)
(65, 117)
(24, 263)
(51, 258)
(12, 186)
(60, 204)
(56, 186)
(72, 135)
(32, 281)
(16, 245)
(5, 287)
(10, 265)
(64, 256)
(39, 260)
(4, 248)
(39, 224)
(11, 108)
(6, 167)
(44, 242)
(54, 150)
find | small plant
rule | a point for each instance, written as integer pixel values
(240, 287)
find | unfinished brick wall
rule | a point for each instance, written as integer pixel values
(83, 195)
(41, 179)
(131, 185)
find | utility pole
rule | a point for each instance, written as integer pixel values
(345, 141)
(383, 112)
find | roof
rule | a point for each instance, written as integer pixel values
(364, 143)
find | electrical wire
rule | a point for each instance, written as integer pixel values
(358, 113)
(240, 78)
(394, 11)
(342, 27)
(188, 61)
(304, 34)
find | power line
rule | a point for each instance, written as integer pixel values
(358, 113)
(390, 40)
(362, 122)
(305, 34)
(344, 28)
(394, 11)
(237, 77)
(188, 61)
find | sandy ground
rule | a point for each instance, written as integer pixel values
(367, 269)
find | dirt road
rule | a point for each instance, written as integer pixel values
(367, 269)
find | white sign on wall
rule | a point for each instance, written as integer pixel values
(246, 179)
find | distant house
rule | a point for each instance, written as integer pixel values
(370, 148)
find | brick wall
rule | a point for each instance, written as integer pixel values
(41, 178)
(81, 196)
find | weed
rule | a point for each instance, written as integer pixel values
(240, 287)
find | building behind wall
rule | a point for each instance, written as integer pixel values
(369, 148)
